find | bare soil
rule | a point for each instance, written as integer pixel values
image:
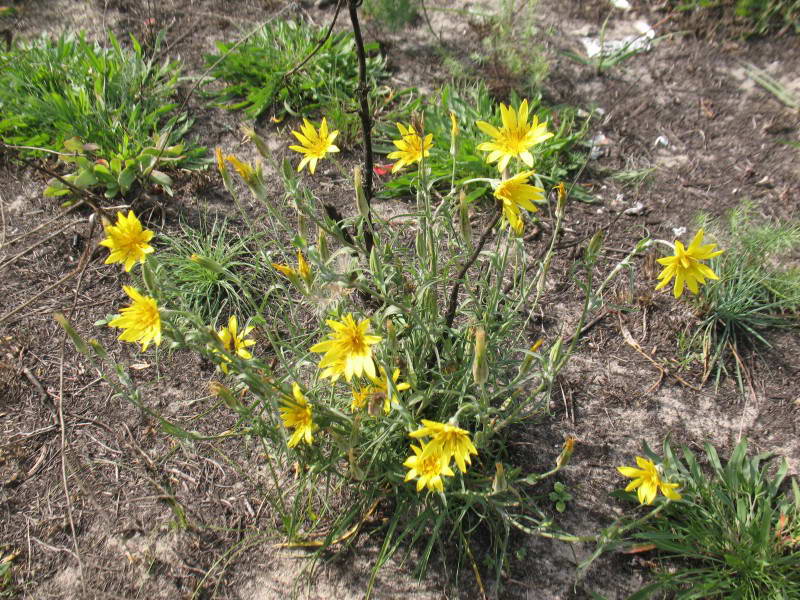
(98, 503)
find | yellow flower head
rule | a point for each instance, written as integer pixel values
(244, 169)
(453, 125)
(648, 481)
(220, 160)
(514, 193)
(234, 342)
(379, 390)
(314, 144)
(427, 466)
(685, 267)
(127, 240)
(303, 270)
(348, 351)
(296, 414)
(141, 321)
(411, 148)
(449, 440)
(514, 138)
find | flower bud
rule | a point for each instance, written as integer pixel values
(480, 368)
(207, 263)
(322, 246)
(361, 199)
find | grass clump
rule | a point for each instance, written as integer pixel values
(210, 271)
(755, 291)
(108, 112)
(259, 75)
(395, 14)
(758, 17)
(734, 534)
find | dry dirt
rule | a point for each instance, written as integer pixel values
(89, 487)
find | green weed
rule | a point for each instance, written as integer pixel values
(754, 292)
(211, 271)
(759, 16)
(107, 111)
(258, 74)
(395, 14)
(734, 533)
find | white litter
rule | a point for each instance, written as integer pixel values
(661, 141)
(623, 4)
(629, 43)
(678, 231)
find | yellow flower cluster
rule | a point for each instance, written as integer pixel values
(128, 243)
(431, 460)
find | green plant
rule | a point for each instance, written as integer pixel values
(560, 496)
(211, 272)
(106, 111)
(760, 16)
(734, 533)
(513, 42)
(754, 292)
(395, 14)
(554, 159)
(264, 72)
(772, 85)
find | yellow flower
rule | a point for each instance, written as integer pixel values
(514, 138)
(648, 481)
(141, 321)
(296, 414)
(234, 342)
(453, 125)
(315, 145)
(244, 169)
(127, 240)
(448, 439)
(348, 351)
(220, 160)
(514, 193)
(427, 466)
(685, 267)
(303, 270)
(410, 148)
(378, 391)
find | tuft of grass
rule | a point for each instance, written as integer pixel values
(759, 17)
(513, 43)
(754, 292)
(395, 14)
(222, 278)
(256, 74)
(109, 111)
(734, 533)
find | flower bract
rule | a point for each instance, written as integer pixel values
(314, 144)
(427, 466)
(448, 439)
(647, 481)
(411, 148)
(140, 321)
(347, 351)
(685, 266)
(234, 341)
(516, 192)
(296, 414)
(127, 240)
(514, 138)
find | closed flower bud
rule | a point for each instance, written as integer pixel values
(480, 368)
